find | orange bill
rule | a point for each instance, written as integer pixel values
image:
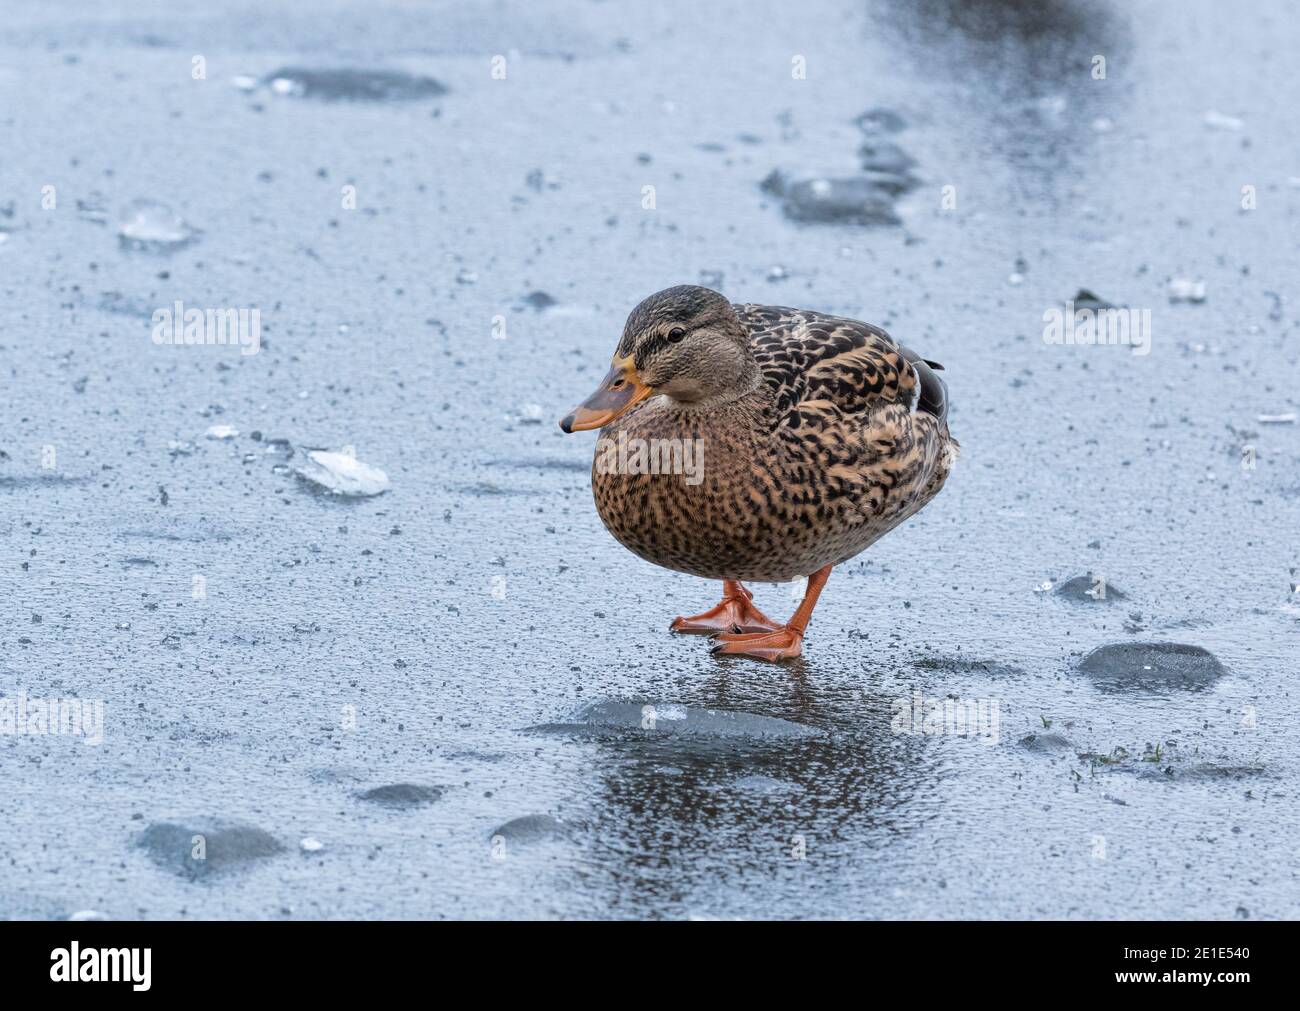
(620, 391)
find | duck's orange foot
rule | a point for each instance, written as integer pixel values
(775, 646)
(735, 613)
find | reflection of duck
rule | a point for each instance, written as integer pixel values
(818, 435)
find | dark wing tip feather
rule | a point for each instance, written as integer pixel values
(934, 391)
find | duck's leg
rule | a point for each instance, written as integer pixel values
(783, 643)
(735, 612)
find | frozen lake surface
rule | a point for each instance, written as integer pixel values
(449, 693)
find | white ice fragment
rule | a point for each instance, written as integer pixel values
(284, 86)
(343, 474)
(1103, 124)
(1183, 289)
(1043, 587)
(221, 432)
(148, 224)
(1287, 418)
(311, 845)
(1218, 121)
(243, 82)
(83, 915)
(670, 713)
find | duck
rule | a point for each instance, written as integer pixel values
(760, 444)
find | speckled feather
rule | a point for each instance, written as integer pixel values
(845, 438)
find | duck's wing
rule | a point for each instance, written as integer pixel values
(811, 358)
(864, 415)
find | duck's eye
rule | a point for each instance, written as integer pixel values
(676, 334)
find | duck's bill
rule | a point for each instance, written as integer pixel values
(620, 391)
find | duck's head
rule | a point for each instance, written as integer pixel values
(684, 342)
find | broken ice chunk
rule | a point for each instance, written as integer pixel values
(221, 432)
(1218, 121)
(342, 474)
(153, 227)
(1287, 418)
(1182, 289)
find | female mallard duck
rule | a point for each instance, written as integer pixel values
(754, 442)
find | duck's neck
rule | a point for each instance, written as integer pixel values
(735, 387)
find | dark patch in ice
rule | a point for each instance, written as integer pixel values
(1080, 590)
(818, 200)
(544, 463)
(197, 537)
(487, 488)
(403, 796)
(40, 480)
(1164, 765)
(886, 156)
(472, 755)
(880, 120)
(960, 665)
(1152, 666)
(866, 199)
(139, 562)
(1085, 299)
(1046, 743)
(125, 305)
(331, 775)
(539, 300)
(352, 84)
(531, 828)
(225, 846)
(93, 208)
(1203, 772)
(891, 183)
(668, 718)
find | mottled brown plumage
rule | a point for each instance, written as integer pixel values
(819, 435)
